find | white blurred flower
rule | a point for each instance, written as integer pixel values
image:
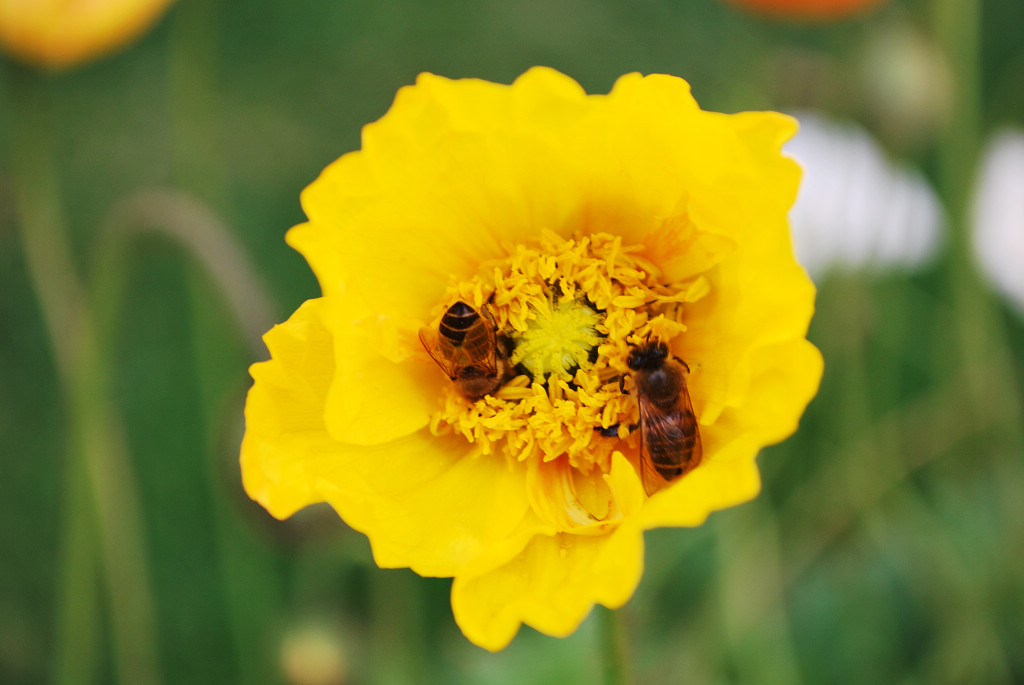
(998, 215)
(855, 210)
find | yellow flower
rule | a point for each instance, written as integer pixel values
(578, 227)
(61, 33)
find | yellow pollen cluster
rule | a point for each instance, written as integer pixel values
(569, 309)
(559, 340)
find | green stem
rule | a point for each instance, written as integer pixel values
(614, 648)
(956, 28)
(985, 349)
(752, 618)
(396, 627)
(96, 444)
(78, 611)
(249, 579)
(204, 240)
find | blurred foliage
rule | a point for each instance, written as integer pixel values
(887, 546)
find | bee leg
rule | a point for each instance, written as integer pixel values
(612, 431)
(504, 346)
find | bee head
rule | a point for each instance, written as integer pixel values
(649, 356)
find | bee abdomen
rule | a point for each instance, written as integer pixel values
(671, 452)
(459, 318)
(669, 473)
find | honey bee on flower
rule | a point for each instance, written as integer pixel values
(481, 223)
(465, 346)
(670, 446)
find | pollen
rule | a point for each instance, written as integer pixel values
(566, 312)
(559, 340)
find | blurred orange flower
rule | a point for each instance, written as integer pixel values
(62, 33)
(820, 10)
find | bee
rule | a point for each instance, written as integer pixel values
(465, 346)
(669, 439)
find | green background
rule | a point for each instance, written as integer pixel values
(887, 544)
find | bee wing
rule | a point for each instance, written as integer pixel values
(678, 428)
(439, 349)
(685, 408)
(480, 347)
(651, 429)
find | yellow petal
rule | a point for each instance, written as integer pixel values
(670, 131)
(760, 295)
(785, 378)
(683, 249)
(625, 486)
(729, 478)
(396, 220)
(382, 384)
(764, 132)
(427, 504)
(285, 444)
(750, 305)
(583, 503)
(552, 586)
(373, 399)
(397, 253)
(423, 501)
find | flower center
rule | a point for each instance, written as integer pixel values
(559, 340)
(567, 312)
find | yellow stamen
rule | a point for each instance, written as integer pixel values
(571, 309)
(559, 342)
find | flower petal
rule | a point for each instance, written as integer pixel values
(285, 444)
(552, 585)
(427, 504)
(583, 503)
(762, 296)
(784, 379)
(729, 479)
(373, 398)
(398, 219)
(423, 501)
